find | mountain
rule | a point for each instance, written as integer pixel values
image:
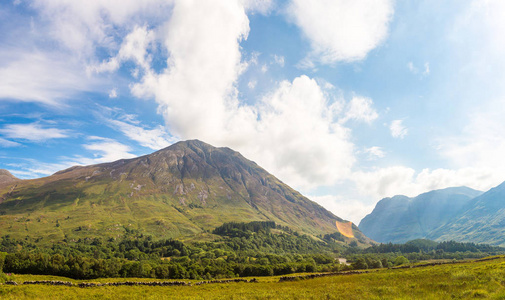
(481, 221)
(6, 177)
(400, 219)
(184, 190)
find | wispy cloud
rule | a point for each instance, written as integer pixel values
(102, 150)
(398, 130)
(33, 132)
(41, 77)
(7, 143)
(155, 139)
(279, 59)
(415, 70)
(252, 84)
(374, 152)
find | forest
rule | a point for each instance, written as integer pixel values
(240, 250)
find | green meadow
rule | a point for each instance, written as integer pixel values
(462, 280)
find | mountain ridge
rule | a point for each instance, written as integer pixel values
(482, 220)
(187, 188)
(400, 218)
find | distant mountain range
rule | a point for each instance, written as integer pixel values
(186, 189)
(460, 214)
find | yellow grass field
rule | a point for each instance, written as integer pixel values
(468, 280)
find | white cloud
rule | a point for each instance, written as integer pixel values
(293, 132)
(252, 84)
(82, 26)
(385, 181)
(44, 58)
(113, 93)
(414, 70)
(264, 68)
(374, 152)
(41, 76)
(33, 132)
(155, 139)
(134, 47)
(205, 60)
(105, 150)
(426, 68)
(398, 130)
(401, 180)
(360, 109)
(7, 143)
(410, 66)
(299, 140)
(261, 6)
(352, 210)
(279, 59)
(341, 30)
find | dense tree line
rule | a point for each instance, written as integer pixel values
(429, 246)
(245, 249)
(242, 249)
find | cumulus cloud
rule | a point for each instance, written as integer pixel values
(340, 30)
(296, 131)
(134, 47)
(401, 180)
(398, 130)
(300, 140)
(260, 6)
(352, 210)
(33, 132)
(205, 60)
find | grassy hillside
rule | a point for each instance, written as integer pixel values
(476, 279)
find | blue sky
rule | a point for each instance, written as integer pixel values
(346, 101)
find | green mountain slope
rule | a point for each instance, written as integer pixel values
(400, 218)
(185, 189)
(481, 221)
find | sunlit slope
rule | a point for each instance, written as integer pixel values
(185, 189)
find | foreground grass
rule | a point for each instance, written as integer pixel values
(479, 279)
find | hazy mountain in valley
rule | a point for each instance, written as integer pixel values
(400, 218)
